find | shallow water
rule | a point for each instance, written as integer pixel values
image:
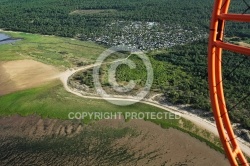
(5, 38)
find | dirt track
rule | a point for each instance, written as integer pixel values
(207, 125)
(19, 75)
(23, 74)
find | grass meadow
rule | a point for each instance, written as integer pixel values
(57, 51)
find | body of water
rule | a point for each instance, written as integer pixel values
(5, 39)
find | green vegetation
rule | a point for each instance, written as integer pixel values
(53, 50)
(193, 60)
(185, 78)
(52, 101)
(53, 17)
(184, 81)
(181, 74)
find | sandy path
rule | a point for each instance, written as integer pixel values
(23, 74)
(207, 125)
(244, 44)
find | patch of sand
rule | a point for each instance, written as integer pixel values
(244, 44)
(23, 74)
(93, 11)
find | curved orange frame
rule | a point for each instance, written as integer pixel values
(216, 45)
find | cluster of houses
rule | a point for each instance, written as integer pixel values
(145, 35)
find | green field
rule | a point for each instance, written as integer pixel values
(52, 101)
(58, 51)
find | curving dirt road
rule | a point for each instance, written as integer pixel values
(203, 123)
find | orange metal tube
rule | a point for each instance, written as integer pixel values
(231, 147)
(233, 48)
(235, 17)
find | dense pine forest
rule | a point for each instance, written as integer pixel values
(236, 78)
(55, 16)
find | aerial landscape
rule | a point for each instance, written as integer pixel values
(135, 82)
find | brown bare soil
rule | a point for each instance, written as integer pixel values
(35, 141)
(23, 74)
